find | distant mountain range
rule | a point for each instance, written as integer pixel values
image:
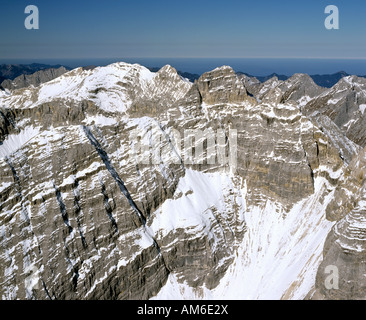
(324, 80)
(16, 76)
(13, 71)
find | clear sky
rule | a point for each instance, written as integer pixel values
(190, 28)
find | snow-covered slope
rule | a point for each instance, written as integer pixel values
(278, 257)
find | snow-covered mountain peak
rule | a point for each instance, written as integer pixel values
(353, 82)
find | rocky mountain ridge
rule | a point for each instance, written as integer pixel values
(34, 79)
(322, 80)
(82, 217)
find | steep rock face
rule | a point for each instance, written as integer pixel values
(250, 83)
(344, 104)
(347, 193)
(274, 140)
(73, 196)
(345, 253)
(299, 88)
(260, 90)
(7, 122)
(165, 88)
(72, 226)
(76, 202)
(347, 149)
(221, 86)
(280, 157)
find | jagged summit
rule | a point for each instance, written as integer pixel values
(221, 85)
(351, 81)
(168, 69)
(223, 68)
(301, 77)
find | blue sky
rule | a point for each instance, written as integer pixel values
(171, 28)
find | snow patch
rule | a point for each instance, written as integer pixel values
(191, 212)
(100, 120)
(13, 142)
(362, 108)
(4, 186)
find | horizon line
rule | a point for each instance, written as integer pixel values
(250, 57)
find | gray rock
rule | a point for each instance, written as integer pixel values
(34, 79)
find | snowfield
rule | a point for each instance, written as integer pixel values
(279, 255)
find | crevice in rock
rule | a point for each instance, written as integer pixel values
(77, 211)
(46, 290)
(104, 156)
(8, 123)
(64, 214)
(108, 208)
(15, 176)
(309, 165)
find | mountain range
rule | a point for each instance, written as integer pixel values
(99, 198)
(324, 80)
(11, 71)
(21, 71)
